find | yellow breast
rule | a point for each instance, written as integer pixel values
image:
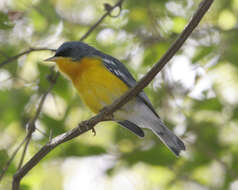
(96, 85)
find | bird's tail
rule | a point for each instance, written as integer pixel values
(142, 116)
(168, 138)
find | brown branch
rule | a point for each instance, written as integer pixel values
(12, 158)
(31, 124)
(108, 13)
(53, 79)
(204, 6)
(91, 29)
(28, 139)
(108, 111)
(10, 59)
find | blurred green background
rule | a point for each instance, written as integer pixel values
(196, 95)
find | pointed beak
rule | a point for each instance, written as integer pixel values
(52, 59)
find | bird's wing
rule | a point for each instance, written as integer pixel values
(132, 127)
(118, 69)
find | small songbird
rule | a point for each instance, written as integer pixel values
(100, 79)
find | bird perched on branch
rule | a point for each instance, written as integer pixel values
(100, 79)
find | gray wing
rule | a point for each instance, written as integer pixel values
(132, 127)
(117, 68)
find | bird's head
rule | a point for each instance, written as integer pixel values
(69, 55)
(73, 51)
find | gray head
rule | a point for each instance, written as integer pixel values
(78, 50)
(75, 50)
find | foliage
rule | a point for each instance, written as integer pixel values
(196, 94)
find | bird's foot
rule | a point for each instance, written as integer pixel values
(107, 117)
(94, 131)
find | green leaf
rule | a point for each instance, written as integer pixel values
(235, 113)
(157, 155)
(12, 105)
(80, 149)
(4, 22)
(153, 53)
(25, 187)
(3, 157)
(212, 104)
(56, 126)
(202, 52)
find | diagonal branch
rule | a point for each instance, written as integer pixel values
(106, 113)
(91, 29)
(10, 59)
(203, 7)
(4, 169)
(53, 78)
(31, 129)
(108, 13)
(31, 124)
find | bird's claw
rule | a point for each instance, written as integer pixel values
(94, 131)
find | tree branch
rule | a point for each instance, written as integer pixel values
(11, 158)
(108, 13)
(31, 125)
(108, 111)
(54, 76)
(10, 59)
(31, 128)
(91, 29)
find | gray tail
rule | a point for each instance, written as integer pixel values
(169, 138)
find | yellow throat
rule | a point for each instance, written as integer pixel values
(96, 85)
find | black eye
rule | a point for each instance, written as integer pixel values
(63, 53)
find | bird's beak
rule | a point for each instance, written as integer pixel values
(52, 59)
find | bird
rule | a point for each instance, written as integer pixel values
(100, 79)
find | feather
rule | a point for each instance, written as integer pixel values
(132, 127)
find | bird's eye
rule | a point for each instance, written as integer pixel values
(63, 53)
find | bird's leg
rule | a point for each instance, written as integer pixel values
(105, 111)
(94, 131)
(106, 118)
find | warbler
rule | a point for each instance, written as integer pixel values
(100, 79)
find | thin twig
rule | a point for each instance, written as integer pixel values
(32, 123)
(29, 134)
(11, 158)
(24, 151)
(118, 4)
(106, 113)
(204, 6)
(10, 59)
(91, 29)
(32, 128)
